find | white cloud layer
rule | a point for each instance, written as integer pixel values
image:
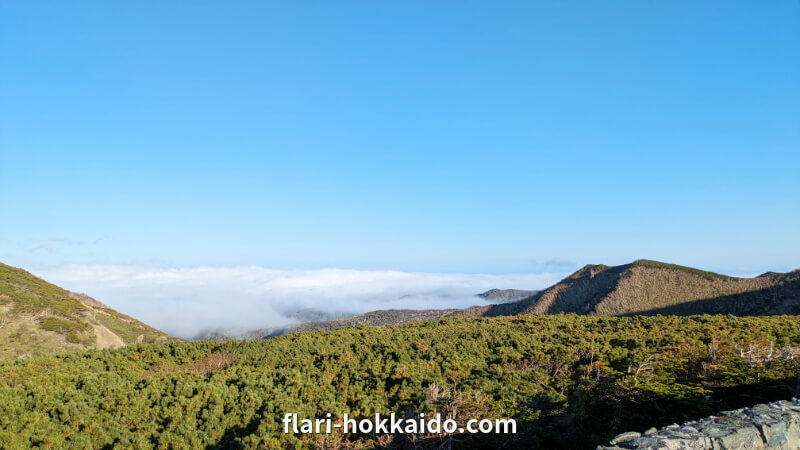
(185, 301)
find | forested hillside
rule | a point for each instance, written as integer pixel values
(38, 318)
(570, 381)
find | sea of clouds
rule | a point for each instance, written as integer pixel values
(186, 301)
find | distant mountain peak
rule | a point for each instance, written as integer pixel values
(653, 287)
(505, 295)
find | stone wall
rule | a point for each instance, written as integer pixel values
(771, 426)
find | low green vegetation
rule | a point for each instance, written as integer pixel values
(72, 330)
(570, 382)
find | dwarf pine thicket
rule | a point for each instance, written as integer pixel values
(569, 381)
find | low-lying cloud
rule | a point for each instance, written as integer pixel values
(186, 301)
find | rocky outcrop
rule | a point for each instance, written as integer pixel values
(772, 426)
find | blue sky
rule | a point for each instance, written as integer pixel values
(468, 137)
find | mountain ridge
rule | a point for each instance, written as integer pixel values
(642, 287)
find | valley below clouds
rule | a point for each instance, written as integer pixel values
(187, 301)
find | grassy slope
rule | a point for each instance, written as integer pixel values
(40, 318)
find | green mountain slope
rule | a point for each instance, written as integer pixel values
(37, 318)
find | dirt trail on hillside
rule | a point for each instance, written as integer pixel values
(106, 338)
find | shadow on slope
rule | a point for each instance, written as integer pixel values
(580, 293)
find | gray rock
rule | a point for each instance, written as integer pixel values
(793, 432)
(774, 425)
(774, 434)
(627, 436)
(642, 442)
(716, 430)
(763, 409)
(742, 438)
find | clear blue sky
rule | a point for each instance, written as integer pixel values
(426, 136)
